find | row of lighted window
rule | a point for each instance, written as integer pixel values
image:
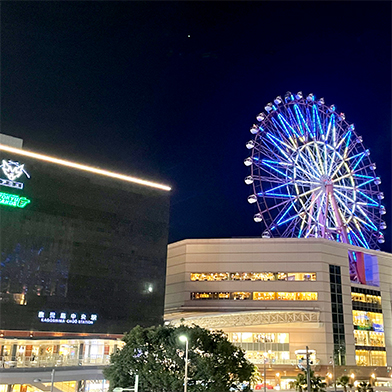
(275, 356)
(254, 276)
(257, 296)
(368, 320)
(369, 338)
(370, 299)
(370, 358)
(248, 337)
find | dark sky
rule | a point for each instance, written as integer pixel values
(168, 90)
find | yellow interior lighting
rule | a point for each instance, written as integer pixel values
(79, 166)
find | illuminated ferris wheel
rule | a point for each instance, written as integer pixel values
(312, 176)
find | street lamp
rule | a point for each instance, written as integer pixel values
(333, 370)
(183, 338)
(265, 371)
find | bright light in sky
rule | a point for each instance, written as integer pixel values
(83, 167)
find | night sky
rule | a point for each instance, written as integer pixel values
(168, 90)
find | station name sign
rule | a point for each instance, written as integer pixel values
(66, 318)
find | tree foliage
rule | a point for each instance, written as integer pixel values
(316, 383)
(344, 381)
(364, 387)
(158, 356)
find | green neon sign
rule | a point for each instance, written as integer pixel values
(13, 200)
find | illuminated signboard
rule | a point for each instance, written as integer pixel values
(66, 318)
(13, 200)
(12, 171)
(378, 327)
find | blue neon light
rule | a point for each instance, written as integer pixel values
(366, 182)
(348, 139)
(277, 187)
(316, 120)
(292, 119)
(359, 240)
(279, 127)
(273, 168)
(273, 137)
(362, 176)
(279, 195)
(359, 160)
(285, 124)
(292, 205)
(301, 119)
(331, 123)
(309, 120)
(363, 238)
(369, 198)
(287, 220)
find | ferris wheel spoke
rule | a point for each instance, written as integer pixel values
(374, 203)
(370, 223)
(338, 167)
(275, 169)
(358, 229)
(345, 207)
(359, 240)
(275, 180)
(308, 164)
(293, 121)
(307, 170)
(284, 130)
(343, 139)
(344, 195)
(275, 140)
(301, 121)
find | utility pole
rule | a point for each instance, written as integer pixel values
(308, 369)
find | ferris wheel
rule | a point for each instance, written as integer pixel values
(312, 176)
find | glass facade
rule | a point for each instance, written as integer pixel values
(339, 339)
(368, 324)
(51, 352)
(274, 347)
(86, 254)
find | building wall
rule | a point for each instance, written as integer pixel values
(272, 255)
(85, 245)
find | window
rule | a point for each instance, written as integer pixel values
(240, 295)
(260, 296)
(253, 276)
(257, 296)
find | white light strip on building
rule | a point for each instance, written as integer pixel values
(84, 167)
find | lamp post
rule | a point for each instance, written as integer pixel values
(265, 371)
(334, 373)
(308, 368)
(183, 338)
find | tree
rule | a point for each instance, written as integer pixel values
(316, 383)
(344, 382)
(364, 387)
(157, 356)
(299, 383)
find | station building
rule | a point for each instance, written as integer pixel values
(83, 260)
(274, 297)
